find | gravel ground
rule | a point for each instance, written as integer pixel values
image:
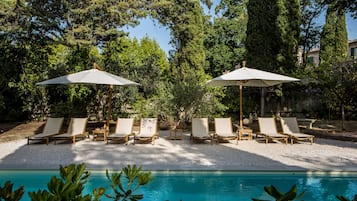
(323, 155)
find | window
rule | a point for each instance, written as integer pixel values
(353, 53)
(310, 60)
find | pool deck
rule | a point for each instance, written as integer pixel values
(323, 155)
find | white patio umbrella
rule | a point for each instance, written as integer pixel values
(249, 77)
(92, 76)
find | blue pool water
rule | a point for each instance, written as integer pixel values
(210, 186)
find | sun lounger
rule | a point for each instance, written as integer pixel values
(123, 130)
(76, 129)
(290, 127)
(223, 130)
(200, 130)
(52, 127)
(268, 129)
(147, 131)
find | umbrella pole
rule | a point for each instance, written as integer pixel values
(110, 105)
(241, 106)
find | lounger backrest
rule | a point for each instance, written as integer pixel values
(289, 125)
(148, 126)
(77, 126)
(53, 125)
(267, 125)
(200, 127)
(124, 126)
(223, 125)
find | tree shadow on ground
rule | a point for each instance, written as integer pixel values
(176, 155)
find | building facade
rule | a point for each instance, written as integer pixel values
(313, 56)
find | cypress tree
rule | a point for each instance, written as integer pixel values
(262, 43)
(327, 42)
(341, 36)
(334, 42)
(289, 28)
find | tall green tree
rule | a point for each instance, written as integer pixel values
(185, 18)
(224, 37)
(224, 44)
(29, 28)
(262, 42)
(289, 20)
(272, 37)
(273, 34)
(333, 53)
(144, 62)
(334, 42)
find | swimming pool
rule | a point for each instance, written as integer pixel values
(211, 186)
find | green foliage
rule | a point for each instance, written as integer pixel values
(262, 42)
(127, 182)
(280, 196)
(68, 187)
(289, 20)
(334, 42)
(273, 34)
(347, 5)
(224, 44)
(338, 83)
(8, 194)
(224, 37)
(185, 20)
(310, 31)
(144, 62)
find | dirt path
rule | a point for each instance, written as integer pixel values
(18, 130)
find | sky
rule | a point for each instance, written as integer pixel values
(153, 29)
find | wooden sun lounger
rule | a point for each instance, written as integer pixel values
(224, 130)
(76, 129)
(200, 130)
(123, 130)
(268, 129)
(147, 131)
(52, 127)
(291, 128)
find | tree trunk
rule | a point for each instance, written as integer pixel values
(343, 116)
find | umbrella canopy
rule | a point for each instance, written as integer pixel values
(93, 76)
(249, 77)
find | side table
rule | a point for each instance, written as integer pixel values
(245, 134)
(100, 134)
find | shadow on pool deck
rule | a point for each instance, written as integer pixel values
(180, 155)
